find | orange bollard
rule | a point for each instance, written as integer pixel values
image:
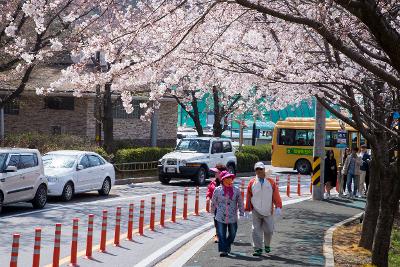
(130, 222)
(103, 238)
(337, 185)
(14, 250)
(288, 186)
(36, 248)
(173, 216)
(208, 205)
(196, 203)
(311, 187)
(162, 214)
(298, 185)
(152, 213)
(141, 217)
(57, 242)
(117, 230)
(89, 237)
(277, 181)
(242, 189)
(74, 243)
(185, 204)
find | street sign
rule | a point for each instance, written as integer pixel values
(341, 139)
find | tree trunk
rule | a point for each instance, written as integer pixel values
(108, 122)
(217, 127)
(196, 115)
(372, 207)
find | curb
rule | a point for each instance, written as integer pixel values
(328, 240)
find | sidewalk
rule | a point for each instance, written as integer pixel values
(298, 239)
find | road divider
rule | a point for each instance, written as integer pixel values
(117, 230)
(152, 213)
(36, 248)
(14, 250)
(74, 242)
(57, 245)
(185, 204)
(141, 217)
(103, 237)
(162, 213)
(173, 215)
(196, 202)
(89, 237)
(130, 222)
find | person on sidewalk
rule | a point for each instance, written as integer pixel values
(262, 196)
(352, 170)
(210, 191)
(330, 176)
(366, 158)
(344, 177)
(226, 201)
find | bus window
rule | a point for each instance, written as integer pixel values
(353, 139)
(330, 138)
(310, 137)
(286, 137)
(362, 140)
(301, 138)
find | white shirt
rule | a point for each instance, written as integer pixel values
(262, 196)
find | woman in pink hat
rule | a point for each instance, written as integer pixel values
(226, 200)
(210, 191)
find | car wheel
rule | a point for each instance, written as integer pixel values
(201, 176)
(68, 192)
(231, 168)
(303, 166)
(105, 188)
(1, 201)
(164, 179)
(40, 199)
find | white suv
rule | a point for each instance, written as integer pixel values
(193, 158)
(22, 177)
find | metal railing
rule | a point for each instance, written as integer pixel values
(136, 166)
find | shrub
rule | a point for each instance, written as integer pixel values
(142, 154)
(263, 152)
(246, 161)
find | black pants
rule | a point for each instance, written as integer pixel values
(344, 177)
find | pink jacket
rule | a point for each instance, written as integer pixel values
(210, 189)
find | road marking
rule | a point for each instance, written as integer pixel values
(160, 252)
(60, 206)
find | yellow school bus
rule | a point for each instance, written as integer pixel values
(293, 140)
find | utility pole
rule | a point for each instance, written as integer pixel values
(254, 135)
(319, 153)
(97, 104)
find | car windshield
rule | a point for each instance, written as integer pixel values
(58, 161)
(197, 145)
(3, 157)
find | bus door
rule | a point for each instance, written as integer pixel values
(353, 139)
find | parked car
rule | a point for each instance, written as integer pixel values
(70, 172)
(22, 177)
(193, 158)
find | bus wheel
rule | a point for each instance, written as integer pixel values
(303, 166)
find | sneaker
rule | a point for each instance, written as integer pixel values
(223, 254)
(257, 252)
(215, 239)
(325, 195)
(267, 249)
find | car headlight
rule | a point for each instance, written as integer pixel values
(183, 163)
(53, 179)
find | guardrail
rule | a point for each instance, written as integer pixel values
(136, 166)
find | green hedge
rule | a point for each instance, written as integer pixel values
(246, 161)
(142, 154)
(263, 152)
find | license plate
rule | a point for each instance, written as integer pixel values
(170, 169)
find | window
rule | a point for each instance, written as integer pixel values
(310, 137)
(216, 148)
(95, 161)
(330, 138)
(227, 147)
(301, 138)
(14, 161)
(85, 162)
(12, 108)
(198, 145)
(59, 102)
(27, 161)
(286, 137)
(119, 111)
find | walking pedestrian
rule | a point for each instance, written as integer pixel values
(262, 196)
(210, 191)
(226, 200)
(352, 170)
(344, 177)
(366, 158)
(330, 172)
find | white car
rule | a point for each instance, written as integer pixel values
(22, 177)
(70, 172)
(193, 158)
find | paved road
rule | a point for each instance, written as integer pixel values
(20, 218)
(298, 239)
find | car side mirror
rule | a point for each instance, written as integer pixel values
(11, 169)
(80, 167)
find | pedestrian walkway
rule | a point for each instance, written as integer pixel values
(298, 238)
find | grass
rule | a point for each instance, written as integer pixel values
(394, 253)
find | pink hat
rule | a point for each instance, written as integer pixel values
(215, 170)
(225, 174)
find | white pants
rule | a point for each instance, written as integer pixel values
(361, 187)
(263, 227)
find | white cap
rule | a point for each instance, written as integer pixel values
(259, 165)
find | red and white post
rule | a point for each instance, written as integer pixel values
(36, 248)
(162, 214)
(74, 243)
(103, 238)
(14, 250)
(299, 185)
(288, 186)
(196, 203)
(117, 231)
(130, 222)
(185, 204)
(277, 181)
(141, 217)
(173, 216)
(89, 237)
(208, 205)
(57, 244)
(152, 213)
